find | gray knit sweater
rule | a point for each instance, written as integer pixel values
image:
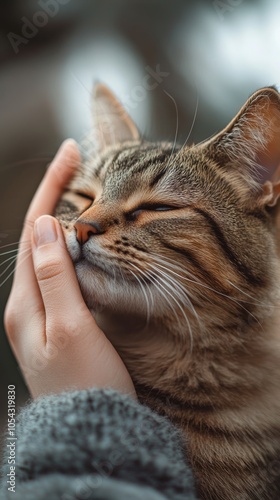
(96, 444)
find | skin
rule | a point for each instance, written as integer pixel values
(54, 337)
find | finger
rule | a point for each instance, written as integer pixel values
(44, 201)
(54, 270)
(58, 174)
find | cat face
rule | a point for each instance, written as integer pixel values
(156, 231)
(130, 216)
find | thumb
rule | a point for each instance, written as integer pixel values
(55, 272)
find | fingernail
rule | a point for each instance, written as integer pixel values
(44, 231)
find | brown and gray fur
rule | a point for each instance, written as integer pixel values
(177, 255)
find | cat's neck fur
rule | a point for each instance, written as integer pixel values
(233, 352)
(225, 394)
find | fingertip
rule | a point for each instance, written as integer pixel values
(44, 231)
(66, 161)
(47, 230)
(70, 150)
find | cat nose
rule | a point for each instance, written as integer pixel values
(84, 230)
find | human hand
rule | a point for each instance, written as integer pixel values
(54, 337)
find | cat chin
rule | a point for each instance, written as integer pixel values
(103, 294)
(92, 284)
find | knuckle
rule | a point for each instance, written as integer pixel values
(10, 320)
(28, 222)
(49, 270)
(56, 328)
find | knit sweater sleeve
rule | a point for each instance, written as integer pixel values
(96, 444)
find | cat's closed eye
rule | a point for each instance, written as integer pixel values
(148, 207)
(84, 195)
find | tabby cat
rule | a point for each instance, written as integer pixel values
(176, 250)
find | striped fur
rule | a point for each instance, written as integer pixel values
(183, 276)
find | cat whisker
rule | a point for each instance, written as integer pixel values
(9, 166)
(145, 296)
(114, 274)
(154, 280)
(9, 252)
(161, 280)
(174, 287)
(190, 293)
(180, 291)
(6, 252)
(196, 282)
(14, 261)
(8, 259)
(191, 129)
(7, 277)
(194, 119)
(255, 301)
(9, 245)
(170, 264)
(177, 126)
(122, 276)
(170, 285)
(149, 309)
(30, 223)
(14, 256)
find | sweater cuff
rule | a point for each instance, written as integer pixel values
(104, 434)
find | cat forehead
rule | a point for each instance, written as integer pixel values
(141, 173)
(139, 159)
(150, 164)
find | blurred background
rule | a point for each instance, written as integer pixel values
(191, 64)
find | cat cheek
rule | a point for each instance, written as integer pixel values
(73, 246)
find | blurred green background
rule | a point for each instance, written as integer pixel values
(204, 58)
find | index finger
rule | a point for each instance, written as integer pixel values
(47, 195)
(49, 191)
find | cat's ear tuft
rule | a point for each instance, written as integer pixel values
(270, 193)
(112, 124)
(250, 144)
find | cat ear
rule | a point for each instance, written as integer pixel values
(112, 124)
(250, 145)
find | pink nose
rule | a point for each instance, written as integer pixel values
(84, 230)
